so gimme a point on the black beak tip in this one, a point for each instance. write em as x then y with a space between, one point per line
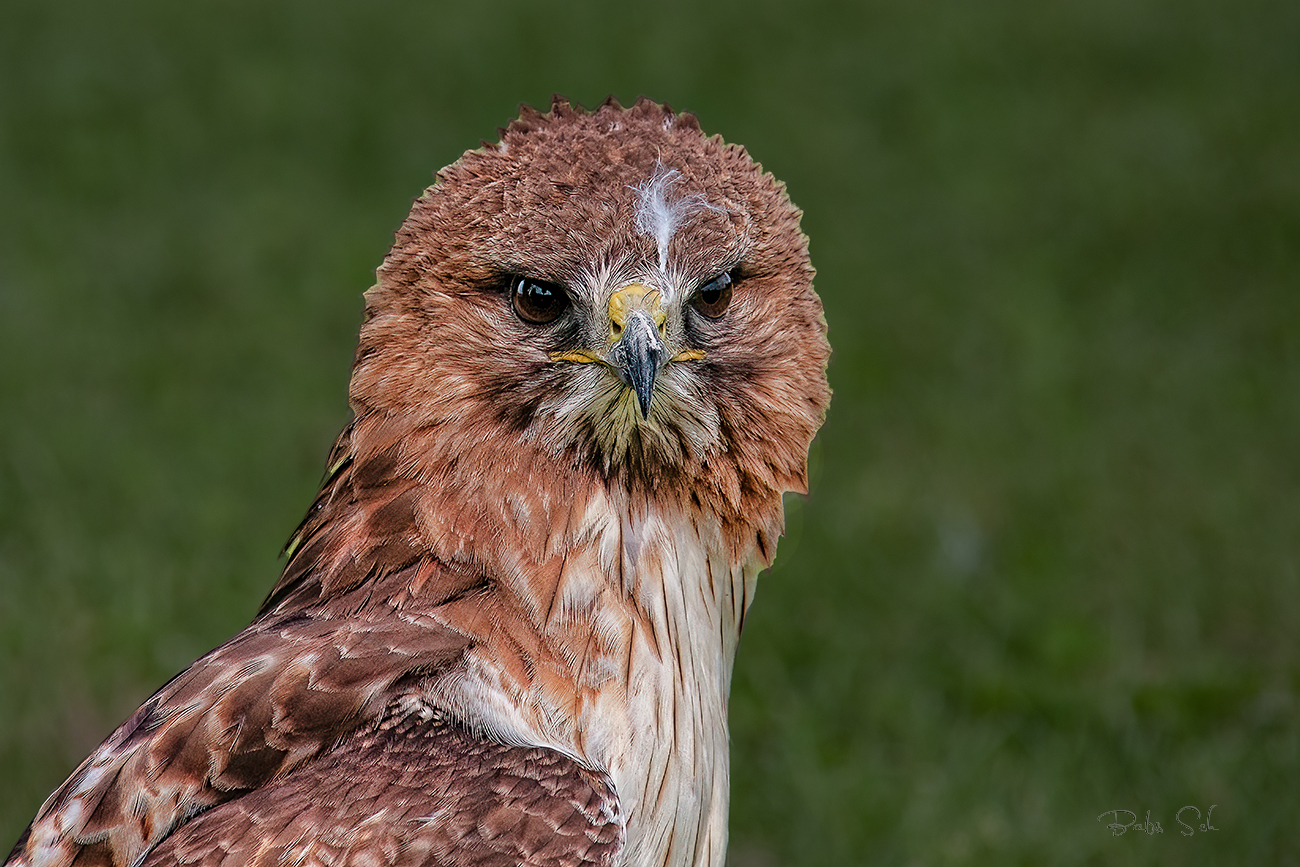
644 394
638 357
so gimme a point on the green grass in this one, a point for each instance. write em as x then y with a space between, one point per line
1050 564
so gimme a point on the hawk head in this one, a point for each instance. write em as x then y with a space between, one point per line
607 298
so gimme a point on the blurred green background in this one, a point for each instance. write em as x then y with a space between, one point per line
1050 565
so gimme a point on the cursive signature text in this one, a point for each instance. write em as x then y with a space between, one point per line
1119 826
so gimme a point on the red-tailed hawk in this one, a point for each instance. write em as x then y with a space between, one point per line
591 365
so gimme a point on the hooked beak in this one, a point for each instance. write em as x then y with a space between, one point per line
636 327
636 335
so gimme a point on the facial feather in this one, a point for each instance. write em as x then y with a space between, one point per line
566 201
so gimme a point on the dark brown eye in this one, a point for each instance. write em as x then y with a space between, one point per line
536 301
714 296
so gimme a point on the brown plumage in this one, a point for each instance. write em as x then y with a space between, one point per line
592 364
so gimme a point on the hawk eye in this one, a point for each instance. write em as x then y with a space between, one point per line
537 301
714 296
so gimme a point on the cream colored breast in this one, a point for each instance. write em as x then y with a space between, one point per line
671 767
643 625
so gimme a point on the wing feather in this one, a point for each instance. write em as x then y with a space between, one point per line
275 696
413 790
